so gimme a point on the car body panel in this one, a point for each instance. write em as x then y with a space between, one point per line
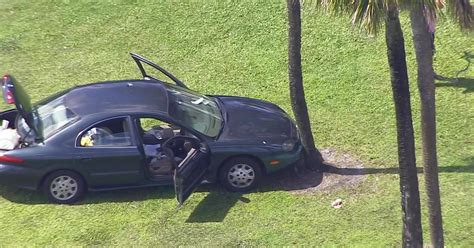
111 166
254 120
126 96
39 161
263 153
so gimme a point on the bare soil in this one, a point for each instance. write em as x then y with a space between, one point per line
345 171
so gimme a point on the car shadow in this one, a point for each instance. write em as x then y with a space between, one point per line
23 196
216 205
218 202
217 197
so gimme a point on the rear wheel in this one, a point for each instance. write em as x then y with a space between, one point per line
64 187
240 174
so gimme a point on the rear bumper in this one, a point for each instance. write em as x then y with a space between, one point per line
17 176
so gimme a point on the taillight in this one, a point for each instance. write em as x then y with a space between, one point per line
9 97
10 159
7 94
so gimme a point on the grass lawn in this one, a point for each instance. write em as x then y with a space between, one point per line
240 48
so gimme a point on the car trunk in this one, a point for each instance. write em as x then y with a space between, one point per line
13 93
9 138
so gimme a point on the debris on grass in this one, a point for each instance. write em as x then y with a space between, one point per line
337 203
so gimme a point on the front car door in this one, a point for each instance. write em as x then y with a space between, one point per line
190 172
148 74
108 152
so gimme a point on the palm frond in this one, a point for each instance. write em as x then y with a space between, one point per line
461 10
369 14
331 6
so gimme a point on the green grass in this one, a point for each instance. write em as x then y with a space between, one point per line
239 48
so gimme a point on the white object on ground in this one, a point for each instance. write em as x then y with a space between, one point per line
5 124
337 203
9 139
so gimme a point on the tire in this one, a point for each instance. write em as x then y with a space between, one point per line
64 187
240 174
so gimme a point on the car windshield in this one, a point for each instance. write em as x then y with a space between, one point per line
196 111
49 117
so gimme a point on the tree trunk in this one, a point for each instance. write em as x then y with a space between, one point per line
412 233
314 159
424 58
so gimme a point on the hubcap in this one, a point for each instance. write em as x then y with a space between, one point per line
63 188
241 175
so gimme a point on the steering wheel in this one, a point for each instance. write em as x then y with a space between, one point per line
179 140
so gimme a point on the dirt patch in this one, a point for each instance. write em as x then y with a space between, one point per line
345 171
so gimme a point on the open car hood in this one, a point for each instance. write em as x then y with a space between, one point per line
13 93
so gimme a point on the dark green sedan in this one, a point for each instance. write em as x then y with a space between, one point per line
140 133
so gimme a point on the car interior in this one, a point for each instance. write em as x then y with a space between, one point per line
166 146
109 133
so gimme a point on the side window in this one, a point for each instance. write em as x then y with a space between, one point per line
109 133
149 123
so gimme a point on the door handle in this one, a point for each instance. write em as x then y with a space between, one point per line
85 159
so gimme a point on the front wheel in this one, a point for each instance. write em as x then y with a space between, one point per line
240 174
64 187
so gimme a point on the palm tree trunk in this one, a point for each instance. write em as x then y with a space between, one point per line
314 159
426 87
412 233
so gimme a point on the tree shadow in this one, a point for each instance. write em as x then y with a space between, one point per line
468 56
466 83
469 168
396 170
459 82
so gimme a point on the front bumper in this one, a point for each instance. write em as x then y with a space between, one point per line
284 159
18 176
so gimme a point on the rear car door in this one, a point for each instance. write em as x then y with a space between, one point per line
190 172
108 152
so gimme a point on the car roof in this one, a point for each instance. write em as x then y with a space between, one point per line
125 96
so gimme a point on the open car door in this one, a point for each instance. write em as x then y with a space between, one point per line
141 60
190 172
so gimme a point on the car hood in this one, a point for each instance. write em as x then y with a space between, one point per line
255 120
